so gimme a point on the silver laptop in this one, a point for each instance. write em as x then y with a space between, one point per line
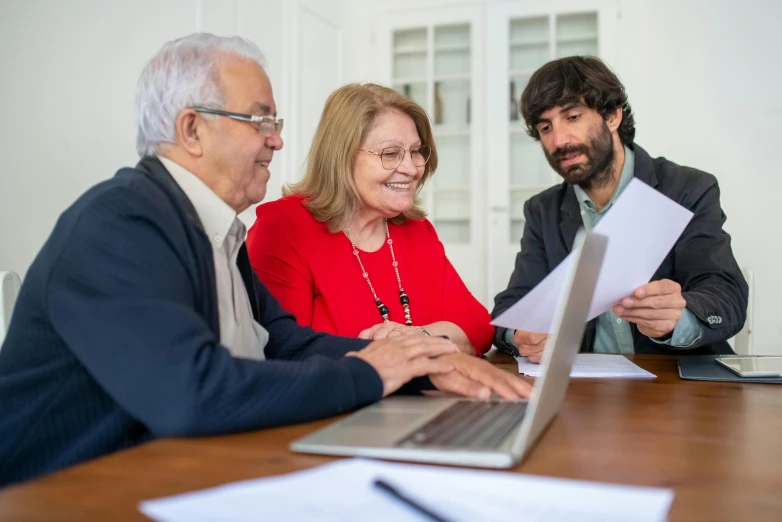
458 431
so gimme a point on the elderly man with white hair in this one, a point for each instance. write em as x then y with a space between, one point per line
141 316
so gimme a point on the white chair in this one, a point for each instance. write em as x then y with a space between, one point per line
9 290
743 340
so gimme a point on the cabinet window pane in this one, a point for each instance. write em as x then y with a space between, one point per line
528 165
572 26
529 30
577 35
452 102
457 231
452 205
452 37
410 39
415 91
410 65
453 170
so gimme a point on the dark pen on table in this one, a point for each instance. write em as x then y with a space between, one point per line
383 485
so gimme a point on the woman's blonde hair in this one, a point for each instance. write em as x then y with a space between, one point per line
350 113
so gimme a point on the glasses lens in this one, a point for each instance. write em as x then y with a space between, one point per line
421 155
269 126
391 157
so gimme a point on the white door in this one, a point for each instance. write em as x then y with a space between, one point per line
315 50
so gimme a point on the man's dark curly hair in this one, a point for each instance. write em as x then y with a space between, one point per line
576 79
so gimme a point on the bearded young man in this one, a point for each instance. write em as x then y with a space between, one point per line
578 110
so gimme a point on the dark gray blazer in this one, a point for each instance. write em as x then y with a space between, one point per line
701 261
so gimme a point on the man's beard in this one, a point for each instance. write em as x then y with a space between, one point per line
597 171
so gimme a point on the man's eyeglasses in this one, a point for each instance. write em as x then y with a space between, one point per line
265 125
391 157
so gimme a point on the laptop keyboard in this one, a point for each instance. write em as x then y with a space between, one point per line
468 424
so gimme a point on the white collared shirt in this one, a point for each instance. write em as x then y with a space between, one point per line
239 332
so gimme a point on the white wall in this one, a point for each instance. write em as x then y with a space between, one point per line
315 72
67 95
703 78
69 73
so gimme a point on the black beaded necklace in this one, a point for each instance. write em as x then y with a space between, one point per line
383 309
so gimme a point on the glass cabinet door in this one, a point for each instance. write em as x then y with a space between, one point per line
431 66
529 45
411 63
467 67
533 41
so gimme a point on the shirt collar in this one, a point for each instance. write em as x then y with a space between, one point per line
624 179
216 215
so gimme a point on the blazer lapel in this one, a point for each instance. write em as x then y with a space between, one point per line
155 168
569 222
249 278
570 217
160 175
644 166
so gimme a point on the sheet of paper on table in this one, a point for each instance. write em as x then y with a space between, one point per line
343 491
594 365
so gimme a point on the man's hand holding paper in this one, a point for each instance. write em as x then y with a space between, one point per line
655 308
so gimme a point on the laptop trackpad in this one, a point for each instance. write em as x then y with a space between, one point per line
389 419
384 423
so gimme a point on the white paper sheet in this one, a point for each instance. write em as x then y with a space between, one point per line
343 491
594 365
642 227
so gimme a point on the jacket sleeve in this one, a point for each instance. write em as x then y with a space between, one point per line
711 281
123 300
288 340
530 269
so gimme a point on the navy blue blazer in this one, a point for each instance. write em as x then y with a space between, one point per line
114 339
701 261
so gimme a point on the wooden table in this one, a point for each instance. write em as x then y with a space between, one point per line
718 445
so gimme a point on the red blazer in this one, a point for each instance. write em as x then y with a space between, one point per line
316 277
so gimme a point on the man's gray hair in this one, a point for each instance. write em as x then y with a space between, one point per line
184 73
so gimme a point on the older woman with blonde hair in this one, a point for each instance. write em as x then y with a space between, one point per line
349 250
